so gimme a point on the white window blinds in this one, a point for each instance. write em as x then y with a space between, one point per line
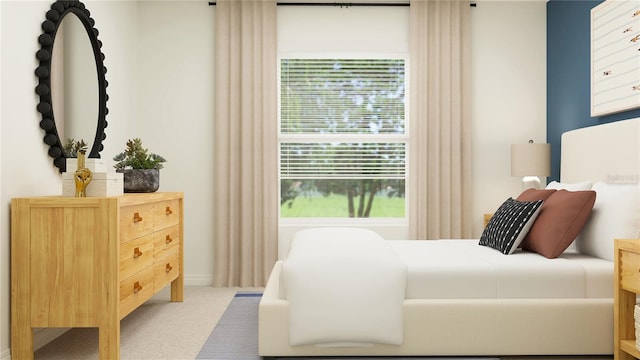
342 119
342 160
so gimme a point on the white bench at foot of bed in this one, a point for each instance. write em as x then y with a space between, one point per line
463 327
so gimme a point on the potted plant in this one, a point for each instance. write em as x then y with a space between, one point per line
71 150
140 168
71 147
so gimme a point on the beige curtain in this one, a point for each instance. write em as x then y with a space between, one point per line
245 169
440 149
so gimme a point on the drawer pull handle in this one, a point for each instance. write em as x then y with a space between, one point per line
137 217
168 239
137 253
168 268
137 287
168 211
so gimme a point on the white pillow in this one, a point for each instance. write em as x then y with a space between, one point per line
615 215
584 185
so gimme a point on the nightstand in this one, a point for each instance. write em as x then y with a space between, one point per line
487 217
626 286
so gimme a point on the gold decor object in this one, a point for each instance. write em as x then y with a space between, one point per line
82 176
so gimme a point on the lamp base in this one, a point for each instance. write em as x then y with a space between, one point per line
531 182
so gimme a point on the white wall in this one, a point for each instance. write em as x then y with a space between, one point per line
509 95
159 57
25 168
175 96
318 30
117 23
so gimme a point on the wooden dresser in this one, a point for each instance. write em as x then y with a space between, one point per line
89 262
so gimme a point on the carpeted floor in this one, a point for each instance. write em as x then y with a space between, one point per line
235 337
158 330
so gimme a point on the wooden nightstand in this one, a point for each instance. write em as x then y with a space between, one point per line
487 217
626 286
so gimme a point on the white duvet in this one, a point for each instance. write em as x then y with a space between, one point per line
345 286
462 269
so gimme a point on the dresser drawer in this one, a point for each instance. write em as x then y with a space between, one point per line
136 255
135 290
166 213
165 239
167 268
136 221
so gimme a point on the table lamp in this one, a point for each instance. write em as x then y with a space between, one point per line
531 161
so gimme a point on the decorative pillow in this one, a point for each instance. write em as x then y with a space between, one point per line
533 195
584 185
562 217
615 215
510 224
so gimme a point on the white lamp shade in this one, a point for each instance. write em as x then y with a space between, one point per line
530 159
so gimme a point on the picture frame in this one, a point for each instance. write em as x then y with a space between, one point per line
615 57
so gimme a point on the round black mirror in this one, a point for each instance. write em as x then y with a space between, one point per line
50 27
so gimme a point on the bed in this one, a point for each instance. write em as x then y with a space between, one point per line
478 301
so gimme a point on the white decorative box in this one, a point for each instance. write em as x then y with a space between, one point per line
102 184
95 165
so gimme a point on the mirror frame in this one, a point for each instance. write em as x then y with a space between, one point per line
54 17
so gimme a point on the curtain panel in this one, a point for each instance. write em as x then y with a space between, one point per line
245 136
440 149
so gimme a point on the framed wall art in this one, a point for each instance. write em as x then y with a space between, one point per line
615 57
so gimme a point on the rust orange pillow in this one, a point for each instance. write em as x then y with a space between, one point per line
562 217
533 195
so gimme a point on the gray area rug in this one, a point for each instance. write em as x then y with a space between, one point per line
235 337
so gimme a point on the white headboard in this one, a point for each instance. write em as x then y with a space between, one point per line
608 152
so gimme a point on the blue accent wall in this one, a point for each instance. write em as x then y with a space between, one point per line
568 74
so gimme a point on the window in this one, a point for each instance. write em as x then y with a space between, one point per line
343 138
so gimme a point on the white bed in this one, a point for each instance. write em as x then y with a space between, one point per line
481 302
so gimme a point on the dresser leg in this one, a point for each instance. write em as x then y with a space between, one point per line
22 342
177 289
109 342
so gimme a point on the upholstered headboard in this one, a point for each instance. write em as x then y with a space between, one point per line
608 152
607 155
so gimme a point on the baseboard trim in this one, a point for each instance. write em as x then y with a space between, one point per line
41 337
198 280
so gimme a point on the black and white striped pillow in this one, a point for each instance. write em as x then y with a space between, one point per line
510 224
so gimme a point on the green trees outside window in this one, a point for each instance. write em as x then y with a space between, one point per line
343 138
